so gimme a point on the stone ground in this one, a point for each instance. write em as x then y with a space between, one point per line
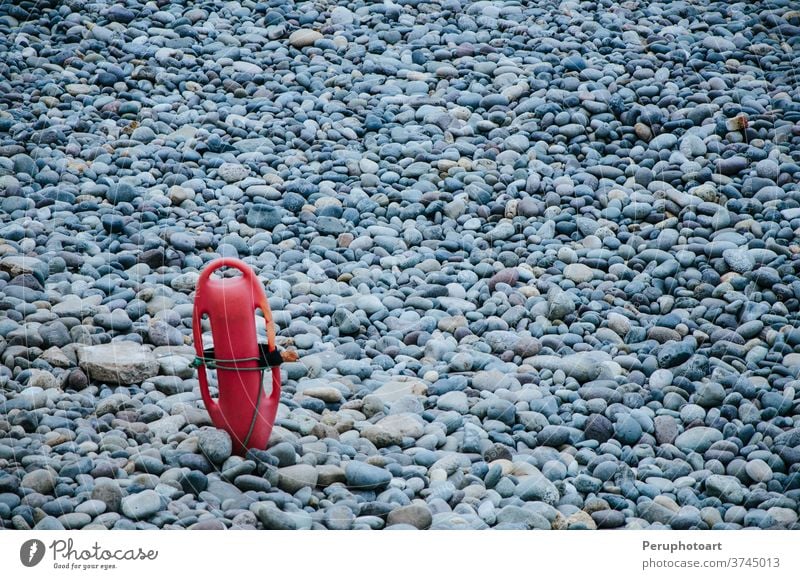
538 260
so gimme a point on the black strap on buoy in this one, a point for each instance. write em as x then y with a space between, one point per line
267 358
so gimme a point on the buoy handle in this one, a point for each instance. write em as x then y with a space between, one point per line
211 405
258 289
226 262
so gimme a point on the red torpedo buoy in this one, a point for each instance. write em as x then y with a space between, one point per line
244 408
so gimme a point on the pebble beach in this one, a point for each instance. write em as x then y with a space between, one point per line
538 262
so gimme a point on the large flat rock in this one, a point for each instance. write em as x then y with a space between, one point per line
396 389
118 362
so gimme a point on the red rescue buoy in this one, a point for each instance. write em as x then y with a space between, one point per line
244 409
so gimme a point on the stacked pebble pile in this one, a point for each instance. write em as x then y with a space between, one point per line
539 261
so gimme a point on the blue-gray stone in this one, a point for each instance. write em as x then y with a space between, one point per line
363 476
121 192
628 430
262 216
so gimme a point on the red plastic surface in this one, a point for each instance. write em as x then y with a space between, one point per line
230 304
